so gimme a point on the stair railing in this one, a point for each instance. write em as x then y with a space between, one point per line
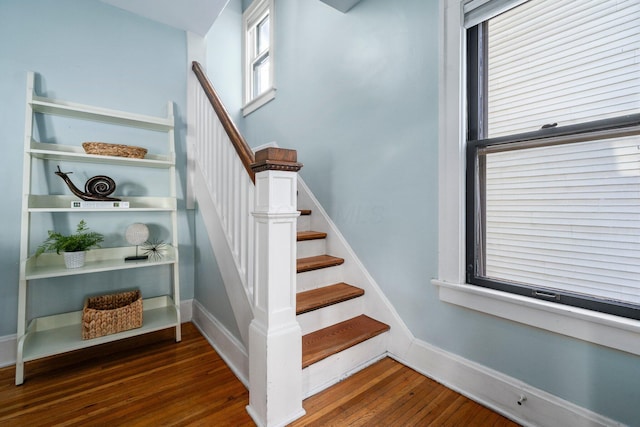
224 159
255 197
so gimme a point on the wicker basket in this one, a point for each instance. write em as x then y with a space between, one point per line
119 150
109 314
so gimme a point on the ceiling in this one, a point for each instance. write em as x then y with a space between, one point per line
196 16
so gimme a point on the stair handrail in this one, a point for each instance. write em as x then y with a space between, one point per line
239 143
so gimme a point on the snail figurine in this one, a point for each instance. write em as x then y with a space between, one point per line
97 188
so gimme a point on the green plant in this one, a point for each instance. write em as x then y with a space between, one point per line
82 240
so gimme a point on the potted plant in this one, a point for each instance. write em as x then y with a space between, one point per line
73 246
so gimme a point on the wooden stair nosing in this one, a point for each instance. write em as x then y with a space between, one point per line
323 297
328 341
304 211
310 235
317 262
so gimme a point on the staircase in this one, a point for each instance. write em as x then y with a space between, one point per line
248 204
337 337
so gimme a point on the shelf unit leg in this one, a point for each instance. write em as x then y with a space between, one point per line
20 361
19 373
178 333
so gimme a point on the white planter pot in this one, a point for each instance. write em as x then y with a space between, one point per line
74 259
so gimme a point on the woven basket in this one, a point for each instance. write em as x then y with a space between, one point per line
119 150
109 314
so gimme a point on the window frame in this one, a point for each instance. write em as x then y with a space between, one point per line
592 326
251 19
477 128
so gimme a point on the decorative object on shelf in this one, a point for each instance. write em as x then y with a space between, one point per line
110 314
154 249
74 259
96 188
91 204
118 150
79 242
136 234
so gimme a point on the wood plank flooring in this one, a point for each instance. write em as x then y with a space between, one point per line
151 381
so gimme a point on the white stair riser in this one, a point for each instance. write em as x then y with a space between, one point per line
318 278
327 316
333 369
304 223
309 248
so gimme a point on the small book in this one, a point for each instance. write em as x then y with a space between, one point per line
86 204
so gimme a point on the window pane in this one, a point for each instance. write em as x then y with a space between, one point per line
562 61
262 35
261 75
566 217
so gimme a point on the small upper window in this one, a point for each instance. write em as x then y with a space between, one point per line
258 55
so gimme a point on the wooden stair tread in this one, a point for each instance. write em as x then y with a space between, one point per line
310 235
305 211
317 262
325 296
325 342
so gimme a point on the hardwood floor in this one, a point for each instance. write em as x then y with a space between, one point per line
151 380
390 394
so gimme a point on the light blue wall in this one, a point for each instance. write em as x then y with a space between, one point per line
224 59
88 52
223 64
209 288
357 97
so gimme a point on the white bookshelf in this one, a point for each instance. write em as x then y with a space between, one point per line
49 335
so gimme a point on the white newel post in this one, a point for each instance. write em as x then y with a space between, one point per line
275 338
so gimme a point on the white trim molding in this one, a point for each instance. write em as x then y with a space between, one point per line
506 395
259 101
587 325
250 20
196 51
228 347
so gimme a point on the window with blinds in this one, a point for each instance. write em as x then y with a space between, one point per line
565 62
553 168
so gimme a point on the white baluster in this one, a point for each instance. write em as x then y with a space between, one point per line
229 185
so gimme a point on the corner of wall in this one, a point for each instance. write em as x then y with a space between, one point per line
225 344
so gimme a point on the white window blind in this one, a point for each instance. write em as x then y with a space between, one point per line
565 62
567 217
564 217
477 11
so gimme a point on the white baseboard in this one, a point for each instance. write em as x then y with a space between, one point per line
228 347
7 350
497 391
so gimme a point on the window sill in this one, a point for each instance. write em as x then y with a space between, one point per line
599 328
258 102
